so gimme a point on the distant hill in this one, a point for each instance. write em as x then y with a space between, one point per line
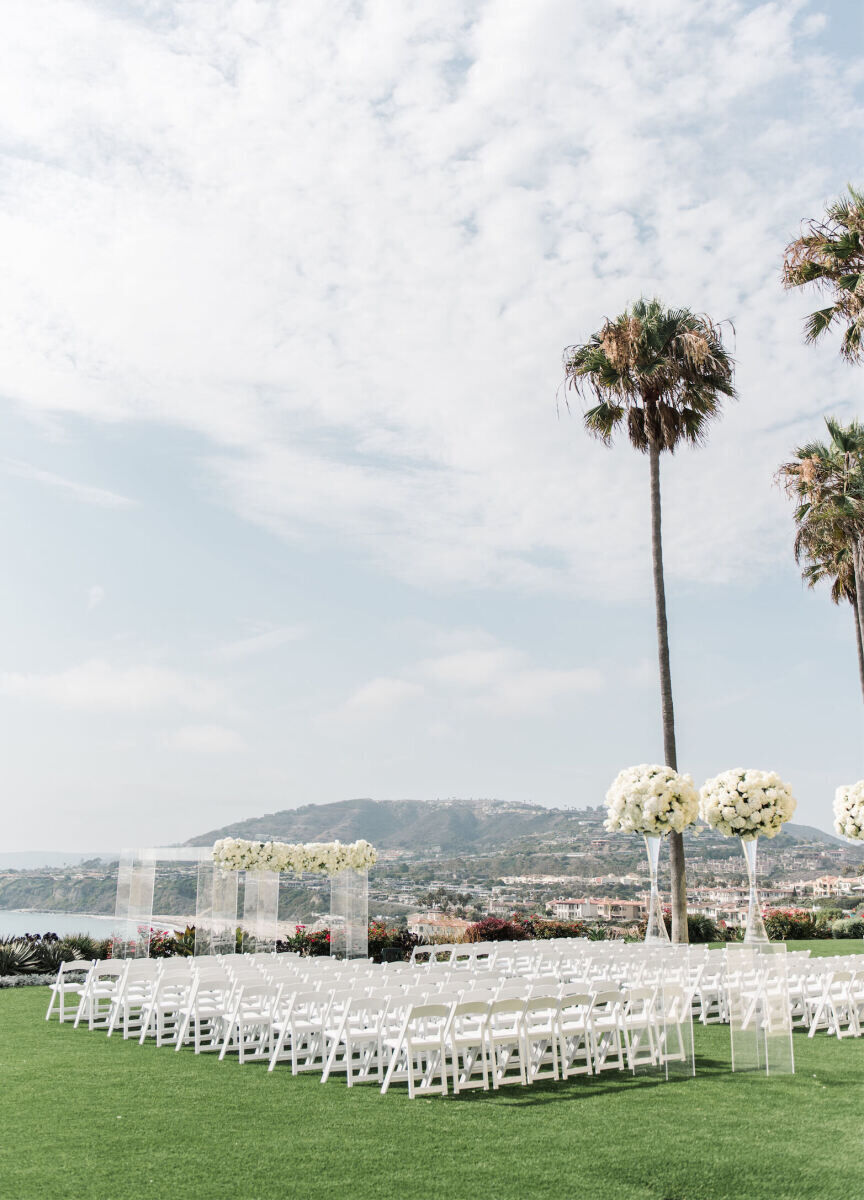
451 826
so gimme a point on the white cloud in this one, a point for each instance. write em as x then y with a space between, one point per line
84 492
502 680
382 695
207 739
98 686
95 596
348 253
259 643
488 679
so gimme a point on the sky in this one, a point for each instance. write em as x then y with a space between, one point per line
294 508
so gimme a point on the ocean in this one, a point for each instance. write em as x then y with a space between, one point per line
13 922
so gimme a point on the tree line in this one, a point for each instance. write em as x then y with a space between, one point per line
659 376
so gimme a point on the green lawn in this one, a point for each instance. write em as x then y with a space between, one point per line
89 1119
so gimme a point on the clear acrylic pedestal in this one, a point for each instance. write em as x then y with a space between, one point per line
349 914
760 1017
655 928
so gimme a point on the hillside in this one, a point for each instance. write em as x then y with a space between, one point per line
446 826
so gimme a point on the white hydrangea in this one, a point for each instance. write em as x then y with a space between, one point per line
652 800
746 803
849 811
324 858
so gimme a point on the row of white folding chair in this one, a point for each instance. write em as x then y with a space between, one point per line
835 1003
522 1041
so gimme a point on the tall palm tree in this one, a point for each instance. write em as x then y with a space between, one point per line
661 374
827 481
830 559
829 255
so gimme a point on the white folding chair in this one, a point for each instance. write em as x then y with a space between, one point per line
467 1044
102 983
353 1044
419 1052
606 1031
639 1026
575 1043
507 1049
64 985
248 1028
540 1037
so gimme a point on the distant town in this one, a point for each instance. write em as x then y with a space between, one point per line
493 859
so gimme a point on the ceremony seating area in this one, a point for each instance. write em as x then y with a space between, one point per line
460 1017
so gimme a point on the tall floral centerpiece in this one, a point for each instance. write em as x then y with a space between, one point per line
748 805
849 811
652 800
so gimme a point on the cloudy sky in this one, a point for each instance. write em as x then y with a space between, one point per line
291 512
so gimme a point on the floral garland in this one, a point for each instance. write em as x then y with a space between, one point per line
849 811
323 858
746 804
651 800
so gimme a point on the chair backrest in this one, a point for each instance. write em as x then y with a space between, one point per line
77 964
426 1017
543 1002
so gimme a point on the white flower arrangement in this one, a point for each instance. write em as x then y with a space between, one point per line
849 811
746 804
652 800
323 858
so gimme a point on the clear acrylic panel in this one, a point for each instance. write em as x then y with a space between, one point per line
760 1015
677 1052
215 910
349 914
657 1017
260 912
133 909
119 945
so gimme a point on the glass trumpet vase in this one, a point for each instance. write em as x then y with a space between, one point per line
755 930
655 930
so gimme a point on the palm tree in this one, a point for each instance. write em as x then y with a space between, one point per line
827 481
661 374
831 559
829 254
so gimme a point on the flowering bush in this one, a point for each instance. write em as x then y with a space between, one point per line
652 800
389 943
324 858
519 929
746 804
849 811
784 924
310 943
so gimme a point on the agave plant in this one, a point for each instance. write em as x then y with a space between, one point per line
49 955
17 956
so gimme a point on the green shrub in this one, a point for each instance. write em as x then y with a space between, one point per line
850 927
17 956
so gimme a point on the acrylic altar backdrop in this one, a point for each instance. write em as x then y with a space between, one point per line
217 917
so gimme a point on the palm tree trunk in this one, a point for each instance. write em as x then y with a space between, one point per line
858 644
858 569
677 869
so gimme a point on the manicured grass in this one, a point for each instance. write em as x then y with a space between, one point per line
85 1118
819 947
